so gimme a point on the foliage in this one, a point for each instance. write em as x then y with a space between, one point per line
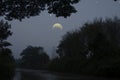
92 49
71 43
34 58
6 58
102 39
20 9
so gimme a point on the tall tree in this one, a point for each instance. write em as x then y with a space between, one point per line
34 57
103 43
94 48
6 58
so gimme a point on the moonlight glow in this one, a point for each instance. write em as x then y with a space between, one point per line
58 25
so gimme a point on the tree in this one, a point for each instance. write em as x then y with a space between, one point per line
102 39
102 36
4 34
72 52
92 49
34 57
6 58
71 45
20 9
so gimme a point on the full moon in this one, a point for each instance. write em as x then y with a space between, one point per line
58 25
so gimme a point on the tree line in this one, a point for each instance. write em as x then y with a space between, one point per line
93 49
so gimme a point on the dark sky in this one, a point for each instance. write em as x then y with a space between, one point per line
38 31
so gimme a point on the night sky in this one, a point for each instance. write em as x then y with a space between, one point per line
38 31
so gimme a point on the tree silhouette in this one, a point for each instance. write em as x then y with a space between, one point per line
20 9
71 45
4 34
6 58
92 49
34 57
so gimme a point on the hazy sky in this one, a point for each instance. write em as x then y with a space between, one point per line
38 31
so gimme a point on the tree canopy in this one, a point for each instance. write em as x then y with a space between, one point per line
20 9
34 57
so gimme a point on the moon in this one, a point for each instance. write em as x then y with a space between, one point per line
58 25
